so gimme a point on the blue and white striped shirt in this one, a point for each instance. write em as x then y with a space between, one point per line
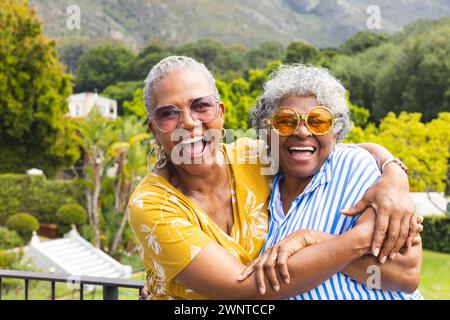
341 182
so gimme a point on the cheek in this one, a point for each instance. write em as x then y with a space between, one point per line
327 144
166 142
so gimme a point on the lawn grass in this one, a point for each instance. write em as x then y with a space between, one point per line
435 278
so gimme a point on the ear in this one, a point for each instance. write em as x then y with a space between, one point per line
222 110
151 127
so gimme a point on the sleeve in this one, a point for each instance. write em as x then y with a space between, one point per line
362 174
168 239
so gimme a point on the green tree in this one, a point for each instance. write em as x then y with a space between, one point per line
129 154
362 41
33 95
299 52
121 92
96 135
136 106
265 53
423 147
103 66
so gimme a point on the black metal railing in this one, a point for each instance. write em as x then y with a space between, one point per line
110 286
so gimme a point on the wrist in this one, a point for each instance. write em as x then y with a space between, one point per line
396 177
360 239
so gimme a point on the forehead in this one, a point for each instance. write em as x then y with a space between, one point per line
301 104
181 87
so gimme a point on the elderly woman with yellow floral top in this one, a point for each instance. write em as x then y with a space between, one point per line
200 217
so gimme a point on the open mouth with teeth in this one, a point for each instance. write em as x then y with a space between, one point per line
194 147
302 153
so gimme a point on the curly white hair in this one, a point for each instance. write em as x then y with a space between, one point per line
301 80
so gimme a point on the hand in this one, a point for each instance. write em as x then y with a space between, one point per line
394 210
275 258
145 294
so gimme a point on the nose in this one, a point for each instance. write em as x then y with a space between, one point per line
187 122
302 131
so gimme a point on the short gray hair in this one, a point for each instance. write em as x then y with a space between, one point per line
301 80
168 65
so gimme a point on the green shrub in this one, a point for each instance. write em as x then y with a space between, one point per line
7 259
24 224
9 239
69 214
436 233
36 195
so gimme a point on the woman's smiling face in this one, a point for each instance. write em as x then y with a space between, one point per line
180 88
303 154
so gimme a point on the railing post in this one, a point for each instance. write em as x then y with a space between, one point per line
0 288
26 289
110 293
53 290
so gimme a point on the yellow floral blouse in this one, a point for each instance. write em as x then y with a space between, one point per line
172 230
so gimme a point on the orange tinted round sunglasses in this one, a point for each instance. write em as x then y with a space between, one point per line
285 120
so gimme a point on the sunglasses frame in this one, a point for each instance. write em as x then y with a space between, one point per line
300 118
217 102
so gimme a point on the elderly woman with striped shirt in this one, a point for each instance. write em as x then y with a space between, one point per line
199 223
306 107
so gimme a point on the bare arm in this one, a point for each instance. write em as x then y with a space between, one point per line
401 274
214 272
392 202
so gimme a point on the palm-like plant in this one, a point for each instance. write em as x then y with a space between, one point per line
95 136
129 153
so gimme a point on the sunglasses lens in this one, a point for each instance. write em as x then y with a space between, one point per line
167 117
320 121
285 121
204 109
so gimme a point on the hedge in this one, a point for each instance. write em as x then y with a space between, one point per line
69 214
9 239
36 195
436 233
24 224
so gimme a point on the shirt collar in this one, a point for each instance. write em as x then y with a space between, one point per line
322 177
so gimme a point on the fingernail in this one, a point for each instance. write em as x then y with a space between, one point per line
392 255
286 280
262 291
376 252
276 288
240 278
383 260
409 245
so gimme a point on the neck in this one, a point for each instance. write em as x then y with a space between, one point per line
205 182
292 186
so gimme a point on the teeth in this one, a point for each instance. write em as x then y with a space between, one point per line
302 149
192 140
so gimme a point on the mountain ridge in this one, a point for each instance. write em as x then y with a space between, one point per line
324 23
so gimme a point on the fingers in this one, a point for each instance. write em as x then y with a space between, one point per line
379 234
259 273
144 293
417 240
269 268
248 271
358 207
402 237
390 239
283 256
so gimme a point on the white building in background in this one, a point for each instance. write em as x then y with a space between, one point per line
74 255
81 104
430 203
